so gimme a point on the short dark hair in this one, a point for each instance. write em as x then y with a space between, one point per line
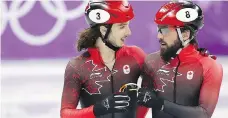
192 34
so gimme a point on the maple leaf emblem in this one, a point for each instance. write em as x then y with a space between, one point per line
97 77
165 74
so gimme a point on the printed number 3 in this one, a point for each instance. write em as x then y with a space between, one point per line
187 14
98 16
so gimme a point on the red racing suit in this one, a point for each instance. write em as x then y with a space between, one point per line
189 84
88 79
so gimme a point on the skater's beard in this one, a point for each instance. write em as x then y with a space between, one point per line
170 51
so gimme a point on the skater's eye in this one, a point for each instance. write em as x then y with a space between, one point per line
122 27
163 30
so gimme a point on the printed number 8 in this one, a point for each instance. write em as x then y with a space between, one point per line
98 16
187 14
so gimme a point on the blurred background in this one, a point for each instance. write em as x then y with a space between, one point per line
38 38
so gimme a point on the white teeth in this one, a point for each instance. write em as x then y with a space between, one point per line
162 43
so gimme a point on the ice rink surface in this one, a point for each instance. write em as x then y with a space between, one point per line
32 89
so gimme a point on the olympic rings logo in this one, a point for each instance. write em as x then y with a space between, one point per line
58 10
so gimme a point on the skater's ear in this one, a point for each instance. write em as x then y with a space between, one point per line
186 35
103 30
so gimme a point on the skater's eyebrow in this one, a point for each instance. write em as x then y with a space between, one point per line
122 24
162 26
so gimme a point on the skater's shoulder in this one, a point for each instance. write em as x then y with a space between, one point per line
133 49
80 58
154 55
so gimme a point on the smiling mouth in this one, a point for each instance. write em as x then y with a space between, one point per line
162 43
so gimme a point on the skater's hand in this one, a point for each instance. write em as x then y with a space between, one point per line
148 98
118 102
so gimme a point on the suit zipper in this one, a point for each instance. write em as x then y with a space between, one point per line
175 84
112 80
